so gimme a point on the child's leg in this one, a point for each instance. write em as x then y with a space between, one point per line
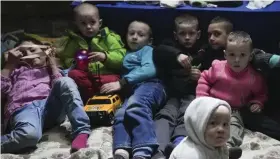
236 130
180 130
84 83
259 122
26 128
121 138
165 122
139 117
65 99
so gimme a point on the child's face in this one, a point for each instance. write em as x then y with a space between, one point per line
35 62
88 23
238 55
187 34
138 35
217 129
217 35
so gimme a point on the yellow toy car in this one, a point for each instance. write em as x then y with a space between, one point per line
103 107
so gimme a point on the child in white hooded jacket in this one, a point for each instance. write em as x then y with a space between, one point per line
207 121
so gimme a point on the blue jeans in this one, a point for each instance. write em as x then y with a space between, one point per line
134 126
27 123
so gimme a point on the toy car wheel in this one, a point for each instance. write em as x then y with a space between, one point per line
111 118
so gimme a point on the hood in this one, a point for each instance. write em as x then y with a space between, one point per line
197 116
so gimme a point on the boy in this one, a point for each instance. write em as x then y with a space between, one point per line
106 51
37 95
218 31
235 81
207 123
174 65
134 126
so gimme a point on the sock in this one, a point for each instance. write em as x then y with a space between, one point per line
177 140
79 142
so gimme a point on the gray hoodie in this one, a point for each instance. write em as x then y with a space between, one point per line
196 118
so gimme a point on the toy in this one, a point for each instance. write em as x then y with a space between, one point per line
103 107
81 58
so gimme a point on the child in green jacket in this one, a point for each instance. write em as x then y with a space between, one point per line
105 51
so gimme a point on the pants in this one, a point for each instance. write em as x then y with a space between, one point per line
27 123
89 83
254 122
134 125
169 121
236 129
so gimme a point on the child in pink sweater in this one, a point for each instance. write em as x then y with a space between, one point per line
235 81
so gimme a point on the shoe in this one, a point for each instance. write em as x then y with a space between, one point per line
235 152
121 154
159 155
168 150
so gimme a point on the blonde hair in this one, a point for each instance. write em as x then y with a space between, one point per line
187 19
240 37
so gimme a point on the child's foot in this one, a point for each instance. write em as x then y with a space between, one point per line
234 152
79 142
121 154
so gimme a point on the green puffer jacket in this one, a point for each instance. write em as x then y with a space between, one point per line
105 41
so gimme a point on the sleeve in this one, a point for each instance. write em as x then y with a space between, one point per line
6 85
145 71
164 54
115 53
259 91
274 61
66 52
205 81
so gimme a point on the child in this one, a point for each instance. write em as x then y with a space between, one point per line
37 95
105 47
174 63
236 82
134 127
269 65
207 122
218 31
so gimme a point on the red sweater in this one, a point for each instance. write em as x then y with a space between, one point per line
237 88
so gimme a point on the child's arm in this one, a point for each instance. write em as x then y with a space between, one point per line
165 56
264 60
259 92
205 81
115 53
146 71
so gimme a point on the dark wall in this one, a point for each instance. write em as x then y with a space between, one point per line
53 17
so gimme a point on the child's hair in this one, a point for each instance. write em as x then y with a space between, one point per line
84 6
240 37
144 22
186 18
35 41
227 22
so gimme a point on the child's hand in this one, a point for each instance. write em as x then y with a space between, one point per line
110 87
184 61
51 58
255 108
195 74
97 56
14 56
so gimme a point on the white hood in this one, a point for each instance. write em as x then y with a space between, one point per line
196 118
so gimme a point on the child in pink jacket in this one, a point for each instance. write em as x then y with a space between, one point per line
235 81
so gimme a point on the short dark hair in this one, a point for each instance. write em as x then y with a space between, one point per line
84 6
186 18
227 22
240 37
144 22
